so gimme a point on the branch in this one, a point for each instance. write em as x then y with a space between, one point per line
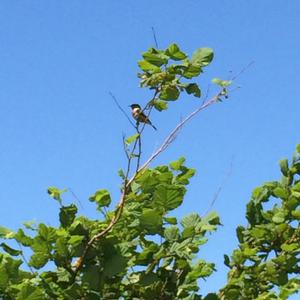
121 109
217 193
154 36
172 136
234 77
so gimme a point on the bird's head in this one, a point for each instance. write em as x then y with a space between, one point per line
134 106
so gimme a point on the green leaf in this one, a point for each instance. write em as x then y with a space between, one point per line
292 287
6 233
188 232
200 269
226 260
121 174
151 220
146 66
131 139
30 292
38 259
212 218
63 275
62 249
248 252
222 83
183 178
169 93
171 233
296 187
76 240
91 277
9 250
47 233
202 56
148 279
192 220
176 164
240 233
114 264
168 196
160 104
101 198
284 167
211 296
174 52
67 215
170 220
146 256
193 88
296 214
22 238
281 192
4 277
279 217
155 58
192 71
290 247
56 193
31 225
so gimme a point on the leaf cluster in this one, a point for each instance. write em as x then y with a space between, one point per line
266 264
164 71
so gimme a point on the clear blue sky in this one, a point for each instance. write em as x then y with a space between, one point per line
59 59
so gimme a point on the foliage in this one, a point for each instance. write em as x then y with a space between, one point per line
148 254
266 263
163 70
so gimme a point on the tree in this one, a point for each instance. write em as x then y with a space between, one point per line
139 250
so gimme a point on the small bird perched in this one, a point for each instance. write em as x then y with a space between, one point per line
139 116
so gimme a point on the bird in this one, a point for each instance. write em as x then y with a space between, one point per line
139 116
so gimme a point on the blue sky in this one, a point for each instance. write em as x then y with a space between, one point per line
59 126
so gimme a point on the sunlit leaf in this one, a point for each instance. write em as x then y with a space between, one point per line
222 83
131 139
160 105
169 93
101 198
176 165
10 250
6 233
203 56
175 53
146 66
56 193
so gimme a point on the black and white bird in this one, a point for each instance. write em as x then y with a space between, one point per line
139 116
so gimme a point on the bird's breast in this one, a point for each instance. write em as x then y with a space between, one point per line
136 112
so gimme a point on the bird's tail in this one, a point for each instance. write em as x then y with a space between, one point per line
153 126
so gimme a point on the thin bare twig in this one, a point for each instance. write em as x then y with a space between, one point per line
206 94
25 259
125 146
121 108
75 196
171 137
218 192
140 151
140 133
242 70
154 36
